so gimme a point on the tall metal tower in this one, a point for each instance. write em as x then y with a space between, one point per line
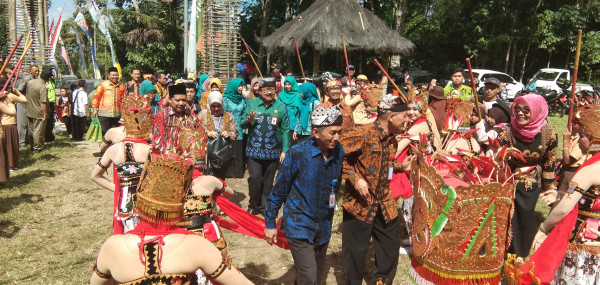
25 16
221 36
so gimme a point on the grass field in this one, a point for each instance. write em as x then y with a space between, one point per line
53 220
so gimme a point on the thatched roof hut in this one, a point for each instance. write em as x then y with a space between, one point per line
320 27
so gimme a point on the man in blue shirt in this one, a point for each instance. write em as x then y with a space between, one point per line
307 182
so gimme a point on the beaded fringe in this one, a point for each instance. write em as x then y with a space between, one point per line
421 275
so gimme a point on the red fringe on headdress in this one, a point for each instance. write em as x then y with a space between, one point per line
429 275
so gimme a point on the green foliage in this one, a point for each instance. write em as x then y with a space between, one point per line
4 48
151 57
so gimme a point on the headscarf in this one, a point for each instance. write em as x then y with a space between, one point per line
200 87
539 111
232 90
251 95
309 91
146 87
292 97
437 105
213 97
216 81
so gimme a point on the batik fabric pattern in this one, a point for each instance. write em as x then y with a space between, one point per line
304 184
368 151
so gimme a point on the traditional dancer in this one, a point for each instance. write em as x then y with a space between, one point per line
157 251
127 158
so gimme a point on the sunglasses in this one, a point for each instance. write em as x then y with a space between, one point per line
522 110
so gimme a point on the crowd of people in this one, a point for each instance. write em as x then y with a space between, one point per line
172 145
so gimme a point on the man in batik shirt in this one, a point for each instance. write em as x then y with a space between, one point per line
336 98
133 87
307 182
369 207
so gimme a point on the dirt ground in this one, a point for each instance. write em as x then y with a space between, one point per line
53 221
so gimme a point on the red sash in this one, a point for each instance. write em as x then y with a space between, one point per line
551 252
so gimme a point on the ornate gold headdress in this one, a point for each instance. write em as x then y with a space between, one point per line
589 119
137 116
163 187
459 233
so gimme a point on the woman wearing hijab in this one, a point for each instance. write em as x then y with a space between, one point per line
199 87
253 92
290 96
530 133
310 100
235 103
218 121
213 85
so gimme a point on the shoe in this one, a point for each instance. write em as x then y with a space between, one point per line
11 169
406 250
253 211
405 243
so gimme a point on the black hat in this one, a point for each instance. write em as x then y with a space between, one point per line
177 89
493 80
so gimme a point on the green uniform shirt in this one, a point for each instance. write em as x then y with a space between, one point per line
276 114
463 93
50 85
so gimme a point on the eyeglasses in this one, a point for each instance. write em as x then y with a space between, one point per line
522 110
272 89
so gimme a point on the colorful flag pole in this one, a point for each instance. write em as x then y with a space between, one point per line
82 63
65 55
103 27
80 20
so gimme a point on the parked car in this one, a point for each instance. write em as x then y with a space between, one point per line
553 79
512 86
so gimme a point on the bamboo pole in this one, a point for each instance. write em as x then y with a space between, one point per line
252 57
474 89
17 68
575 68
347 64
11 54
299 59
391 81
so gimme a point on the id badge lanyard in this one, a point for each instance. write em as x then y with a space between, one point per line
332 194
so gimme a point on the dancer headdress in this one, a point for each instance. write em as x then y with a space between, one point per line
419 98
137 116
589 119
164 184
460 219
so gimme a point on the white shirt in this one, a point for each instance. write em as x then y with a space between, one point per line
80 99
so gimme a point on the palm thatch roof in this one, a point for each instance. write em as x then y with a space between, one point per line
322 24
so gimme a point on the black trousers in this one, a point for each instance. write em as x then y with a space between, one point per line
236 168
108 123
309 260
50 122
68 124
78 126
523 222
260 181
356 237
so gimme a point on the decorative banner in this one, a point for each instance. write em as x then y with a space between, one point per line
65 56
80 20
102 26
54 38
50 31
191 56
82 63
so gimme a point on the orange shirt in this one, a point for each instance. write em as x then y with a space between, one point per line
107 99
